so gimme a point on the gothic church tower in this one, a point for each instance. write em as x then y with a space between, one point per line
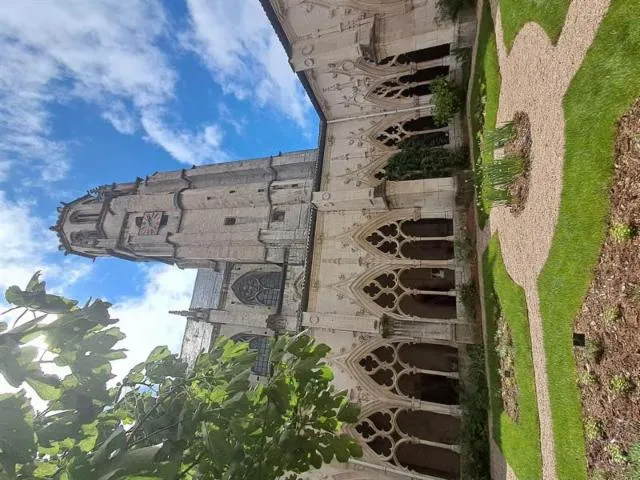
253 211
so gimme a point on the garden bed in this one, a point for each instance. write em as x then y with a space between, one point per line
520 146
506 357
610 319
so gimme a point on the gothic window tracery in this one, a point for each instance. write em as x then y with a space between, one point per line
84 238
422 239
417 56
258 288
393 134
409 85
388 432
259 344
422 371
414 292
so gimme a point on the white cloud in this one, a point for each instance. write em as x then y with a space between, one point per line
121 118
106 53
243 54
146 320
26 242
187 147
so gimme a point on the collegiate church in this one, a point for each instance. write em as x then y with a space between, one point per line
318 240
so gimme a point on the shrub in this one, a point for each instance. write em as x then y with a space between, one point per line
622 232
620 385
611 314
447 100
592 429
468 296
616 454
501 135
414 162
499 175
593 350
474 403
586 379
463 249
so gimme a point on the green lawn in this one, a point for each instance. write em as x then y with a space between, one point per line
604 88
519 442
485 94
549 14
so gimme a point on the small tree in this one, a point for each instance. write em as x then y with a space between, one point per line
414 162
447 100
163 420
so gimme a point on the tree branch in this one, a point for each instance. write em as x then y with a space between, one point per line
159 402
18 319
188 469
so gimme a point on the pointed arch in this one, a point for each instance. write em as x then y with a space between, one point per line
403 235
394 369
258 288
412 440
403 88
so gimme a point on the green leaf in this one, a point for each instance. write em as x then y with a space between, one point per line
355 449
35 285
14 296
114 445
45 469
17 439
47 387
217 445
348 413
341 448
157 354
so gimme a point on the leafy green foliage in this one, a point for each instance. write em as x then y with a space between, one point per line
163 420
447 100
498 176
474 402
415 161
501 135
586 379
592 429
484 99
593 350
469 298
616 453
622 232
463 249
611 314
620 385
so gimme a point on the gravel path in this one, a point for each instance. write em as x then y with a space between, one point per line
535 77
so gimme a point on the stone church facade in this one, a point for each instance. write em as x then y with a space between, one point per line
318 240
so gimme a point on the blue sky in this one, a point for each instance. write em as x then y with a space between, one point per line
96 92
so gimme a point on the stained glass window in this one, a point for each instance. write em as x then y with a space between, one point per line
260 344
258 288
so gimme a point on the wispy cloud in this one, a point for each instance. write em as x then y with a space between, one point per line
106 53
26 247
197 148
243 54
146 319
